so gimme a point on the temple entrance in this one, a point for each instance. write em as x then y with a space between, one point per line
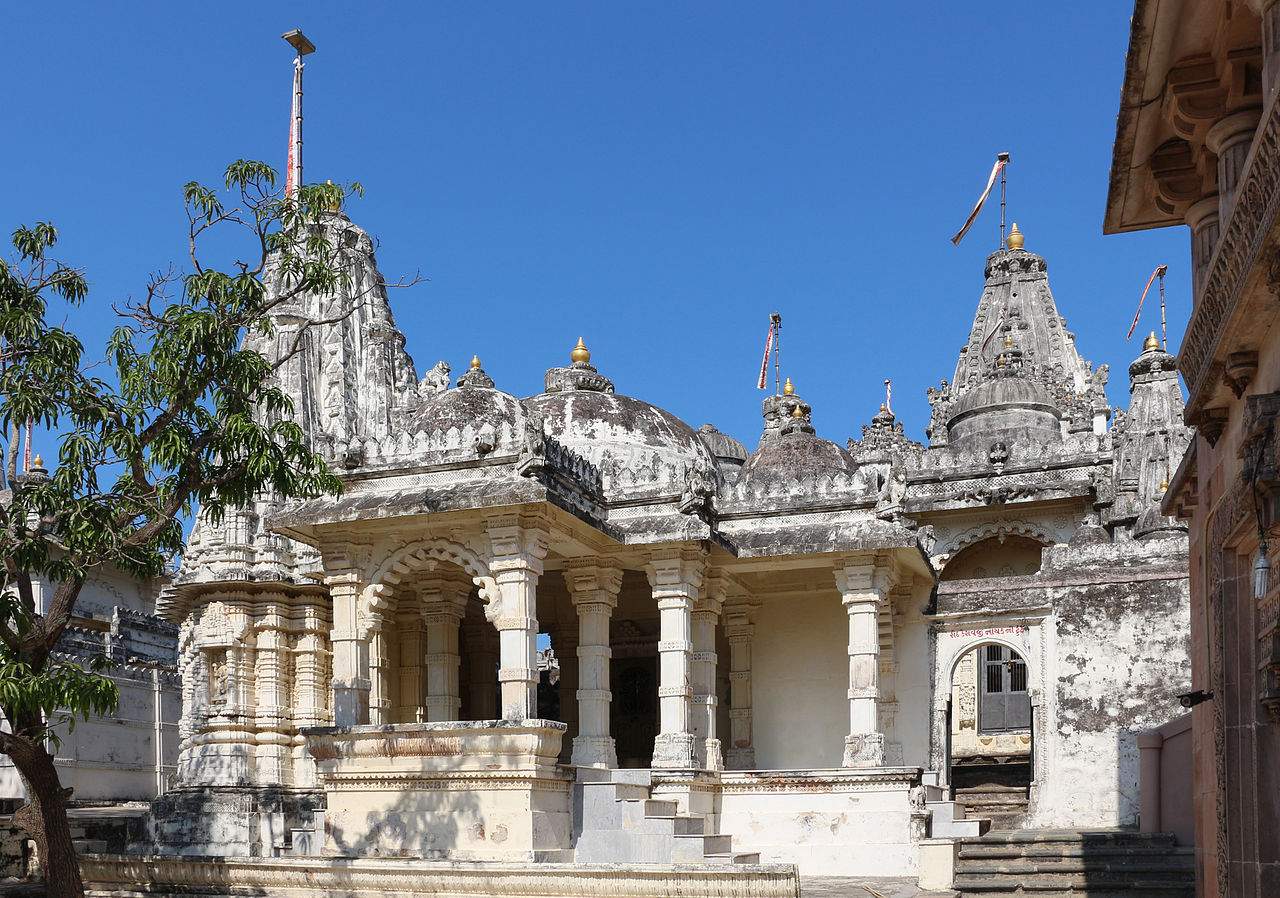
991 742
634 713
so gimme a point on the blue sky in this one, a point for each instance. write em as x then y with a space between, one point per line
655 177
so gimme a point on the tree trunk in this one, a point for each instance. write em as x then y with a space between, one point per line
44 817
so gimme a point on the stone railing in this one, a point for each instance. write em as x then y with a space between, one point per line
1239 249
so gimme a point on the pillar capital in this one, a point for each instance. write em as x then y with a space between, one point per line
1231 129
676 572
593 581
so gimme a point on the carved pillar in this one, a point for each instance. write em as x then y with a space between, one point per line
517 552
863 585
311 669
443 604
1204 222
594 588
675 576
411 640
706 614
271 757
380 650
1230 139
350 651
739 630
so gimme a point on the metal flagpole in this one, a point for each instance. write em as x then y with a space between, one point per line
303 46
1004 157
776 320
1164 330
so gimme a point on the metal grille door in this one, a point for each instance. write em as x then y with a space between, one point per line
1003 702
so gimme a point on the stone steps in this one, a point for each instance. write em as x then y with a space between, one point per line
1084 864
619 822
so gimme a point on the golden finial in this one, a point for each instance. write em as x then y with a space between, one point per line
1152 342
1164 486
797 412
1008 341
1016 240
788 389
475 362
37 462
580 353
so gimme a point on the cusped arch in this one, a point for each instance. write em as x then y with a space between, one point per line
423 555
995 530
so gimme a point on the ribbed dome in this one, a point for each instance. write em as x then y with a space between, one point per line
610 427
1009 407
1153 524
463 406
797 455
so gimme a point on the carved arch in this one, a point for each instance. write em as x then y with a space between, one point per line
419 556
995 530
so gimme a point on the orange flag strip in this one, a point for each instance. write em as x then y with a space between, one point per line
764 363
1160 269
1001 160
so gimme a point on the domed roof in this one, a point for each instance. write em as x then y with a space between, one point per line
473 418
581 411
1002 392
462 406
725 448
794 455
599 424
1154 524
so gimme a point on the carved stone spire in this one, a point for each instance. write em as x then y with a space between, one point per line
1149 438
1017 328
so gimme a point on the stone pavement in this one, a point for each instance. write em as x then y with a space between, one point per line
868 887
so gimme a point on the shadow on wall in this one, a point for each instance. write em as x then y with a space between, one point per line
406 828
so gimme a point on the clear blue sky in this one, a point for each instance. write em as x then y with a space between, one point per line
655 177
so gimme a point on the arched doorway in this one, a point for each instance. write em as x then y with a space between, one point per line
990 737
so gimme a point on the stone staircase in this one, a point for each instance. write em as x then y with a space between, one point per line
616 821
1075 864
1004 806
949 819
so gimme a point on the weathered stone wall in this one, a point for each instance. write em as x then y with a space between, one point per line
1104 699
126 756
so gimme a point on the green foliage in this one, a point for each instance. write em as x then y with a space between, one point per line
177 415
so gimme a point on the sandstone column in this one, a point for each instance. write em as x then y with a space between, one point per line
380 710
350 652
411 640
675 576
1230 139
517 552
273 705
311 669
1202 219
863 585
593 587
706 614
443 604
739 629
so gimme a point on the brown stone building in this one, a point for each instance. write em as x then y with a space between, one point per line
1198 143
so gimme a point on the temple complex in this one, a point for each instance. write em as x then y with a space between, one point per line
807 652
